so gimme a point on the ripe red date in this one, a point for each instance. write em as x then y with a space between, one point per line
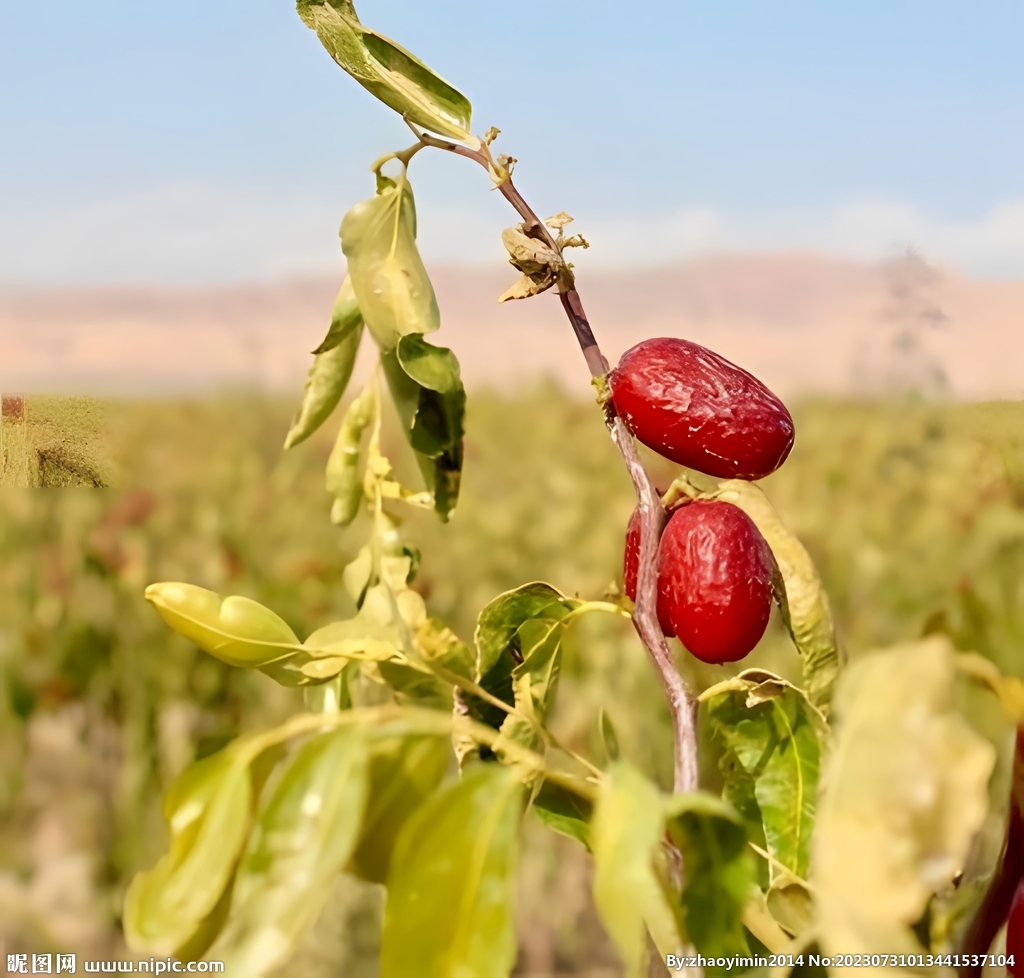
715 580
696 408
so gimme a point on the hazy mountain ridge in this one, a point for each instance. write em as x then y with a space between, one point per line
804 323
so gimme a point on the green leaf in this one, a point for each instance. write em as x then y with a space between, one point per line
739 791
236 630
776 737
398 78
373 635
404 771
626 833
449 908
440 648
565 812
342 476
302 840
438 644
207 810
502 618
432 419
609 738
378 237
717 872
415 687
332 367
346 318
802 597
518 640
433 367
904 793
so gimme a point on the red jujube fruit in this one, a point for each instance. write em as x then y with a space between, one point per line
631 568
715 580
698 409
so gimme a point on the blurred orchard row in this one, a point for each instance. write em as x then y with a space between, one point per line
913 512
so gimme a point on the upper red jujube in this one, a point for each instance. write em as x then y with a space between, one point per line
698 409
715 580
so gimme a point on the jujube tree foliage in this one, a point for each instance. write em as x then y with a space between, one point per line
843 827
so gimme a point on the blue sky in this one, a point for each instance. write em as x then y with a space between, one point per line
207 141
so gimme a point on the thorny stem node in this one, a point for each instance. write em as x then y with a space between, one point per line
682 702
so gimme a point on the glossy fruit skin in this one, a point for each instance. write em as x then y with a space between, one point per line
631 567
715 580
698 409
1015 932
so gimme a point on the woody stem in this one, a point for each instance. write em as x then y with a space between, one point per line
681 700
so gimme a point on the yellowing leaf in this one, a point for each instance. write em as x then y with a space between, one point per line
903 793
1009 689
207 811
300 843
539 264
342 476
394 292
332 368
427 388
345 318
449 908
564 811
237 630
398 78
626 834
802 598
404 771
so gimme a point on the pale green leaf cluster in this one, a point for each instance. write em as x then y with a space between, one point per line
242 632
387 289
246 876
177 902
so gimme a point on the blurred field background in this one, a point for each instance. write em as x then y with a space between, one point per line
913 510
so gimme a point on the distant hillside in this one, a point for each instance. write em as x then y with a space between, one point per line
802 322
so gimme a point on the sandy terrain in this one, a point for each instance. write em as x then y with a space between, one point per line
801 322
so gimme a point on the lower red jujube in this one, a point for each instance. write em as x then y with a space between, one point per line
715 580
631 566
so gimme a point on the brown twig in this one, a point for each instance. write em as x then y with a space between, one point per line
682 702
